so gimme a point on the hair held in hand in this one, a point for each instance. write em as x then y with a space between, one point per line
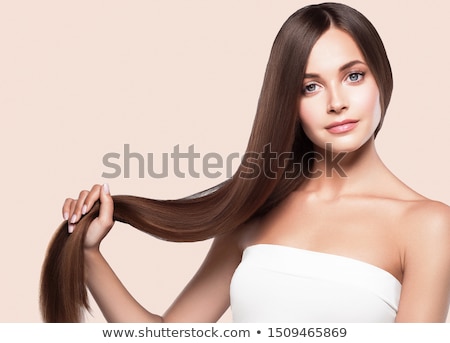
249 193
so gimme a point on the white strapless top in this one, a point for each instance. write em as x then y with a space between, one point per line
275 283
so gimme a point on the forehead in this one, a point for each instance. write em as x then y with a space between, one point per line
332 50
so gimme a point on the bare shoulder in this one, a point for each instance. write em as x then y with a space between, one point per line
427 219
425 240
238 239
424 225
246 233
417 213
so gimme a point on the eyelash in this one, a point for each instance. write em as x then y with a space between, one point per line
360 75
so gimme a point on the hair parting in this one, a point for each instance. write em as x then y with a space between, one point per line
221 209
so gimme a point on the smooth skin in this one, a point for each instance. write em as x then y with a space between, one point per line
368 215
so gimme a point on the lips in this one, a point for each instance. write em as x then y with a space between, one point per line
342 126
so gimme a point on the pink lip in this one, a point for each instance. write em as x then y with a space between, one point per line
342 126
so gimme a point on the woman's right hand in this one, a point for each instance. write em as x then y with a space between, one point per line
74 209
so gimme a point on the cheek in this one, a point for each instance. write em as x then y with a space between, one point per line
307 113
368 103
310 120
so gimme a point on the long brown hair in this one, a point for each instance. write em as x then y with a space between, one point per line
259 183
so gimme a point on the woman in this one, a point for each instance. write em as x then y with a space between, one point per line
312 227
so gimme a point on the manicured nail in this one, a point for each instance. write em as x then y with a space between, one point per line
84 209
66 215
74 219
105 188
70 228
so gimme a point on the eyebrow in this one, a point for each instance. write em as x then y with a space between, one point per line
342 68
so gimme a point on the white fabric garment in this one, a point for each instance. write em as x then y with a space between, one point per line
275 283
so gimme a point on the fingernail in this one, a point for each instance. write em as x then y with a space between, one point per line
105 188
66 215
70 228
74 219
84 209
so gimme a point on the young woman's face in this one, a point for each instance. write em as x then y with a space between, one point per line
340 100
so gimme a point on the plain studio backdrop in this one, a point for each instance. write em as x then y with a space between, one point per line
81 79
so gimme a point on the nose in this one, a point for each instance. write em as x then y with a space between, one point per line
336 101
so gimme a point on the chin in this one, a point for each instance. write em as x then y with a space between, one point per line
345 144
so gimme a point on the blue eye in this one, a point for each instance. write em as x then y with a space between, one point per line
355 77
312 87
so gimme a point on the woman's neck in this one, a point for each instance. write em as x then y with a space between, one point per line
338 173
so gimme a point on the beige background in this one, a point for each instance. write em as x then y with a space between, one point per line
79 79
